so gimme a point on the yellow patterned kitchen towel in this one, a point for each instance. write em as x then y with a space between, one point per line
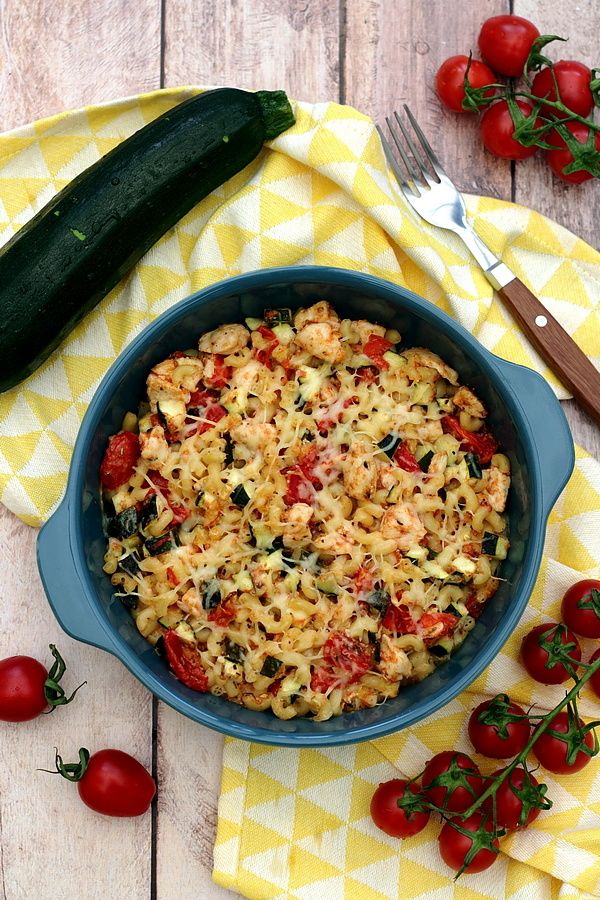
320 193
295 824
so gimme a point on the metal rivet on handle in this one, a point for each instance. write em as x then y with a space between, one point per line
541 321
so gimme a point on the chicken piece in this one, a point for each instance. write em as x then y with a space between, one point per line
496 489
394 663
254 434
427 432
419 356
246 377
360 470
296 530
319 312
224 340
402 524
467 400
341 541
329 391
191 604
322 340
153 445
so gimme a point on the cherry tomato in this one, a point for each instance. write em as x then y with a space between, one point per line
560 156
581 608
348 654
405 459
492 730
573 80
399 620
543 663
450 78
110 782
185 662
594 681
119 461
452 781
517 799
27 689
454 845
375 347
505 43
497 129
481 443
559 748
395 808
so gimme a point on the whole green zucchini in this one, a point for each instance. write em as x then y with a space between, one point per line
75 250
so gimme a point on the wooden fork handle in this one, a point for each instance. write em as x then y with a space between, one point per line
557 348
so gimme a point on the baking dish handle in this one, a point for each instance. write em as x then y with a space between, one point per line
62 583
554 443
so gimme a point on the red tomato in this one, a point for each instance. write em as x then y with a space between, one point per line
221 374
429 626
396 808
368 374
481 443
454 846
119 461
505 43
452 781
544 666
214 414
22 689
560 156
222 614
348 654
299 489
399 620
202 398
323 679
559 749
180 514
268 334
405 459
594 681
573 80
363 580
474 607
116 784
497 130
158 481
375 347
172 577
494 733
518 800
581 608
185 662
450 79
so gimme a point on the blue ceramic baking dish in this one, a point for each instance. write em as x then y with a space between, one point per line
524 415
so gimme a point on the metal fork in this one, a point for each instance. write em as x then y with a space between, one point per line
436 199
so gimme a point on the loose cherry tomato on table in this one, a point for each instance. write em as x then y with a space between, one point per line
119 460
185 662
594 681
549 651
573 80
499 728
580 608
468 845
452 781
110 782
505 43
27 689
397 808
450 80
519 799
561 156
497 130
567 746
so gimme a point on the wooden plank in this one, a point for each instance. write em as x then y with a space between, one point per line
577 207
392 52
57 56
264 44
52 845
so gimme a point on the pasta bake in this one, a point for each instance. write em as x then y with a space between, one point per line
305 515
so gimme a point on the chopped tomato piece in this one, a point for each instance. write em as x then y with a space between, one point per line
267 334
177 354
405 459
481 443
364 580
474 607
172 577
222 614
368 374
159 481
348 654
185 662
221 375
214 414
119 460
399 620
180 514
323 679
375 347
299 490
429 621
264 355
202 398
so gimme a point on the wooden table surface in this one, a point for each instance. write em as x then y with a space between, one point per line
373 54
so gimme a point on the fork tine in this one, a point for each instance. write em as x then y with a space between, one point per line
437 166
393 164
416 155
405 159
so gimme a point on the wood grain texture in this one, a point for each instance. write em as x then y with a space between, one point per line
58 55
265 44
53 847
577 207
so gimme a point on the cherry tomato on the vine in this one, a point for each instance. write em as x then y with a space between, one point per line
560 156
450 80
497 130
495 732
505 43
580 608
559 749
27 689
110 782
573 80
395 808
452 781
519 799
456 846
546 650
